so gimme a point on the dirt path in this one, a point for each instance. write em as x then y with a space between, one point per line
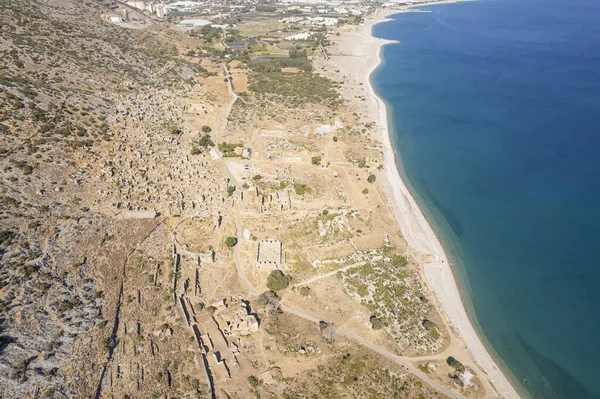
322 276
403 361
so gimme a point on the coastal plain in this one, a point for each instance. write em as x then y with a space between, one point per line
183 219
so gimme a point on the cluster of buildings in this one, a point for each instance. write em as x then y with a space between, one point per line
310 21
236 318
308 14
393 3
343 10
160 10
299 36
330 8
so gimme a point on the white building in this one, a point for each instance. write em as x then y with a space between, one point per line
186 6
269 254
116 19
310 21
292 20
299 36
194 23
140 5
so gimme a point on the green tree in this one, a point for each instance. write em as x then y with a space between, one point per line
231 241
278 281
206 129
371 178
316 160
205 141
230 190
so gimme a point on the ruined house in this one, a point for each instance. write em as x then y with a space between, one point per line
269 254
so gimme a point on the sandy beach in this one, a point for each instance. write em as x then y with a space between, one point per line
365 53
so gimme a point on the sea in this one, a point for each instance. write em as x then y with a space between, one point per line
494 110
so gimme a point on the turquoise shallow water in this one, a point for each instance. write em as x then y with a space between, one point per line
494 106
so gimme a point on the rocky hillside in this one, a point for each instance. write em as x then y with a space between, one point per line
66 75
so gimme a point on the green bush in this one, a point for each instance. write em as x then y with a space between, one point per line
399 260
301 189
432 328
253 381
371 178
227 149
174 129
316 160
297 53
377 323
5 236
206 129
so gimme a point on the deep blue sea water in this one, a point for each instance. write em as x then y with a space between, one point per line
495 110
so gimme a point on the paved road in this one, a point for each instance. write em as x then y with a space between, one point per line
225 112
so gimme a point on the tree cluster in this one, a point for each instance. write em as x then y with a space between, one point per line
275 65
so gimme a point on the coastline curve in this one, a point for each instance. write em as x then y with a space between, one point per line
417 231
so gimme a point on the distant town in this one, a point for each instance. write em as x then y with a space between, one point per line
194 14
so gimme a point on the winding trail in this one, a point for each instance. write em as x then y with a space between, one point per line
322 276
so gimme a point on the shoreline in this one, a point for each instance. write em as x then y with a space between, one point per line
414 227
